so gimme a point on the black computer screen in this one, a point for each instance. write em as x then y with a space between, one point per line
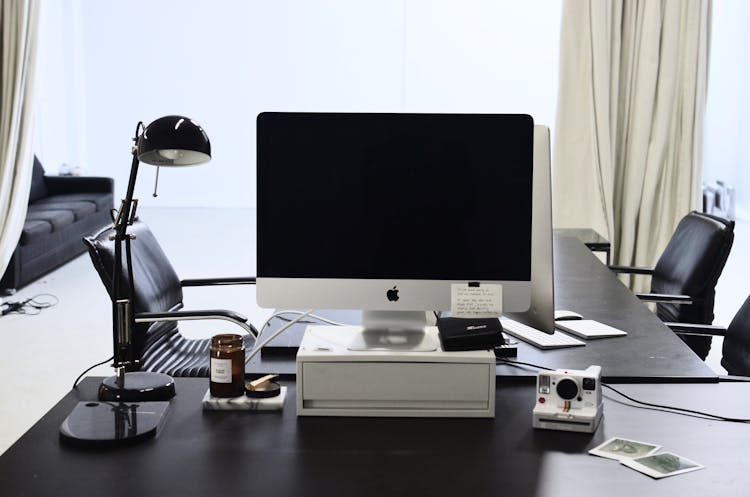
386 196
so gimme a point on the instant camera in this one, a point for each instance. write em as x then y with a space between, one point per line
569 400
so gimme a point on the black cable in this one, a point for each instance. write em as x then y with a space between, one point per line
13 307
24 306
519 363
43 305
658 407
75 383
281 317
669 410
677 410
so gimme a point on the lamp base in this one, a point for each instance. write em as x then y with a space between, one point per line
99 424
140 386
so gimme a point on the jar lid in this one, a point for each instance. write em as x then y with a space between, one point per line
266 390
226 339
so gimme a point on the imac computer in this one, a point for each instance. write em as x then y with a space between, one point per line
384 212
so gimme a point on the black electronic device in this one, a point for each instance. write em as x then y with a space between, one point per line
470 333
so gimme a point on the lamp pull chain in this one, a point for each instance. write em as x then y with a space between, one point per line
156 183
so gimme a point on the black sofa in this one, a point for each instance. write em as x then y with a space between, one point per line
62 210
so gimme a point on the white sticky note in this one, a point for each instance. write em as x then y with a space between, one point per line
483 301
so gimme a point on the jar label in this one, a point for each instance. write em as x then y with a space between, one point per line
221 370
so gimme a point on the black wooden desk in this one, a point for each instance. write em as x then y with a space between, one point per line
591 238
267 454
650 352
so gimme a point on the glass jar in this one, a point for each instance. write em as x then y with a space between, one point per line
227 366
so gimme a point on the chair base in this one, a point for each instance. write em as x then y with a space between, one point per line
140 386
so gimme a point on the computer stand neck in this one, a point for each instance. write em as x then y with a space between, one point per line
395 331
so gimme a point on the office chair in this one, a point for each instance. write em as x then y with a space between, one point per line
158 345
684 279
735 353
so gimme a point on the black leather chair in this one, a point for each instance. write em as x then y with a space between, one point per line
735 352
157 302
684 279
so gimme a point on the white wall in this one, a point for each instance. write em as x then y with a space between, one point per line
223 62
60 130
726 153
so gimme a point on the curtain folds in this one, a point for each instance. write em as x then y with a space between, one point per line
627 150
18 33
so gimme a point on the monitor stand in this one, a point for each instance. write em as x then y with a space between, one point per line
333 380
395 330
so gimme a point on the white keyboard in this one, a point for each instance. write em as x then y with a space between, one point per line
539 338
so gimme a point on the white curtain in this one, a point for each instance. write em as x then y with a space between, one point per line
18 26
627 152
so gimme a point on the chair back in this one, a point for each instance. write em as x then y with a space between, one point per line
156 284
736 349
691 265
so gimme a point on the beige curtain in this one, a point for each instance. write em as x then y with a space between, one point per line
627 152
18 26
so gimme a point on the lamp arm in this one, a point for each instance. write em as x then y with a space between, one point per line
124 215
122 308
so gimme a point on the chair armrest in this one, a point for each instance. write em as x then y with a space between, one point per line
697 329
231 316
665 298
242 280
79 184
631 269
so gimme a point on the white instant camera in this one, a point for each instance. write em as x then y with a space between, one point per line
569 400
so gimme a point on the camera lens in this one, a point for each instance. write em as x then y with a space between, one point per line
567 388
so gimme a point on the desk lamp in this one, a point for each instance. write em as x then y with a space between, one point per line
168 141
132 404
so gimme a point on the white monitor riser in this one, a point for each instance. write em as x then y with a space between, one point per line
333 380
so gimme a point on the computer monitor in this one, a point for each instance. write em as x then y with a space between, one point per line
384 212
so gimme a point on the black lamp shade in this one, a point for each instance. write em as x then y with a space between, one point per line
174 141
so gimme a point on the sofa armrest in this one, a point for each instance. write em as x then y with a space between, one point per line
79 184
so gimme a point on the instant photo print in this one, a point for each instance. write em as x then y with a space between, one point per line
624 448
662 465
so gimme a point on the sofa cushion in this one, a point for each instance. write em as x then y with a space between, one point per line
79 209
38 187
34 231
103 201
58 219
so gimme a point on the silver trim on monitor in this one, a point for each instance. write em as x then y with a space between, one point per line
541 313
372 294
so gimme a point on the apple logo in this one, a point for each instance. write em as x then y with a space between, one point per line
392 294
